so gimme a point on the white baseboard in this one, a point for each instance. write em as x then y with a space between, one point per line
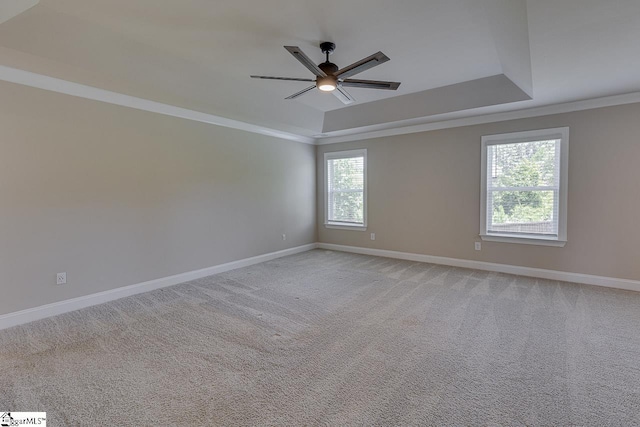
587 279
53 309
48 310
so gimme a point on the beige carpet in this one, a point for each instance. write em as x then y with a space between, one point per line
328 338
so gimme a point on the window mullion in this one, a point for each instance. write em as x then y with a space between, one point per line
544 188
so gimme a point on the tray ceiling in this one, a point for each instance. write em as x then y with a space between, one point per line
451 56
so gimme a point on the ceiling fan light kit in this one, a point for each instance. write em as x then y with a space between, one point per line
330 78
326 84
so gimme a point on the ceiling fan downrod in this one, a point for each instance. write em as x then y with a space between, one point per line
328 67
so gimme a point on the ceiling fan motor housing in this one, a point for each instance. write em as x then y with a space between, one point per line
329 68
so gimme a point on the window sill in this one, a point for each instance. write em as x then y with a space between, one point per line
345 226
523 240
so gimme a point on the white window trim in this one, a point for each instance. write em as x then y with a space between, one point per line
510 138
345 225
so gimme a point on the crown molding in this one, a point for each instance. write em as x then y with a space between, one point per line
443 121
379 131
40 81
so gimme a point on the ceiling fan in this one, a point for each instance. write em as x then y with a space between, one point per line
331 79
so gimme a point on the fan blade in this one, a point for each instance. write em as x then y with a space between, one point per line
304 60
294 79
362 65
302 92
371 84
343 96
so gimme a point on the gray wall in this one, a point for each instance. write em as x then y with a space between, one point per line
115 196
424 194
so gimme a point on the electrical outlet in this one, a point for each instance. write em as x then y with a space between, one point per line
284 237
373 236
478 246
61 278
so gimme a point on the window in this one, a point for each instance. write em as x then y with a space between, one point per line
524 187
345 192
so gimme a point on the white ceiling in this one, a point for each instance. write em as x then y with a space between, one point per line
448 54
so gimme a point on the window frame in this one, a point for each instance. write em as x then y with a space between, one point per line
519 137
333 155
